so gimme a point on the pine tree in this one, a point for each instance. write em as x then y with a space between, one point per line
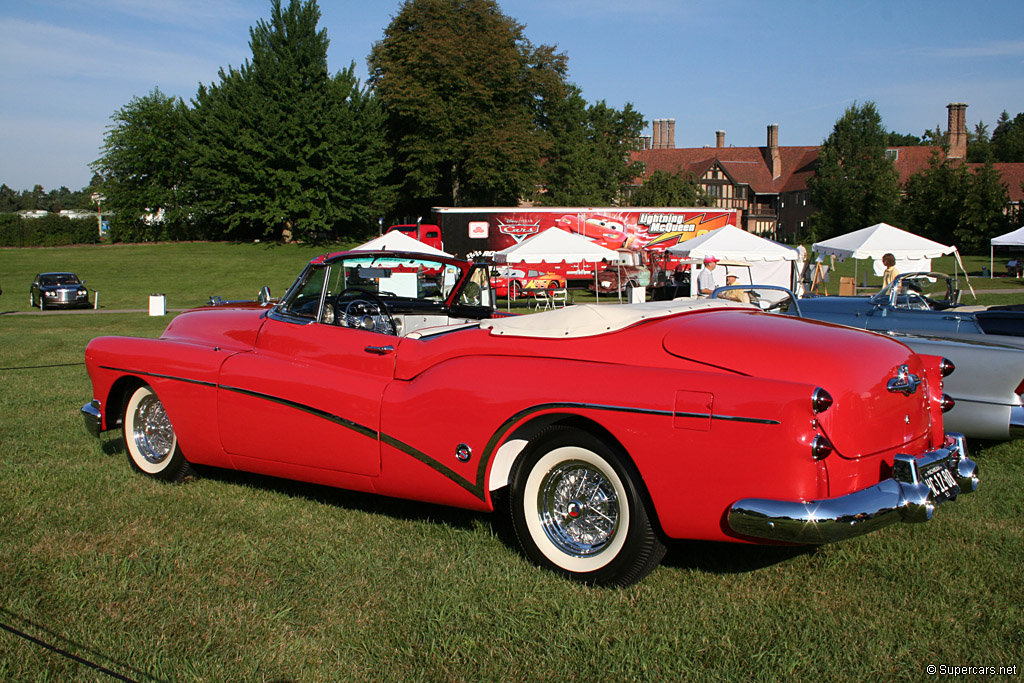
281 145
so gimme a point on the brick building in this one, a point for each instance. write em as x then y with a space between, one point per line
769 184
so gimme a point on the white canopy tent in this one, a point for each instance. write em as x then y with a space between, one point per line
768 262
555 245
1010 239
399 241
913 253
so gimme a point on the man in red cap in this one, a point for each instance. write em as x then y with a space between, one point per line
706 280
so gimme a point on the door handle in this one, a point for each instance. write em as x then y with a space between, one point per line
380 350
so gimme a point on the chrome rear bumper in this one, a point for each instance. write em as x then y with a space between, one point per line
906 497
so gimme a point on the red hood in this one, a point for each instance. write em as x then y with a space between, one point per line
852 365
232 329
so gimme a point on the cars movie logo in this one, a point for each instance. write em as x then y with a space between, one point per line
518 231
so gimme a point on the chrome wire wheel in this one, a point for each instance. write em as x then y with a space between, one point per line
578 508
152 431
150 439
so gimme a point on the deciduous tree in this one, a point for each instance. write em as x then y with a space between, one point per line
1008 139
855 184
146 168
465 93
669 189
588 159
948 203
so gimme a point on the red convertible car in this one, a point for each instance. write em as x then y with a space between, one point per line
391 373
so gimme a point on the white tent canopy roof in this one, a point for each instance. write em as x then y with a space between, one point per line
399 241
553 246
1010 239
881 239
730 242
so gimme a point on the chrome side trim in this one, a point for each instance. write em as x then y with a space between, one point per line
92 413
903 498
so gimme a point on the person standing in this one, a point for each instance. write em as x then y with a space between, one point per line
889 261
706 280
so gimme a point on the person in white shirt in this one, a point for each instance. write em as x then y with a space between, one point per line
706 280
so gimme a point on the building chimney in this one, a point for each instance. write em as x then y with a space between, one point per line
663 134
957 130
719 139
771 152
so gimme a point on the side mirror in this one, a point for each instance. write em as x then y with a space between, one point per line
264 296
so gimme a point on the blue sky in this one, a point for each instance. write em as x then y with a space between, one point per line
735 65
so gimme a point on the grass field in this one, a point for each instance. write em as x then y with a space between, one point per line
239 578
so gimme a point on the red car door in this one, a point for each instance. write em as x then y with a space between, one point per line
307 395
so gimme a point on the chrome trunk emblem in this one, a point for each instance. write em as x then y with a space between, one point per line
904 382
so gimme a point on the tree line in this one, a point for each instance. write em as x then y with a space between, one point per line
856 184
460 109
1004 145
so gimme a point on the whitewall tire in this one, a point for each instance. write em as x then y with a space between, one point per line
150 440
578 509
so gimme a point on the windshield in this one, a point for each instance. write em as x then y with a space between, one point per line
916 287
60 279
401 281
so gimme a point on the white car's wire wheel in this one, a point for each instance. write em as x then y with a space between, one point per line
149 438
577 509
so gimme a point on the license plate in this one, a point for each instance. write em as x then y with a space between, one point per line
941 483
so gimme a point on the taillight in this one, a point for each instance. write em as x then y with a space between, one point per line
1020 388
947 368
821 400
820 447
947 403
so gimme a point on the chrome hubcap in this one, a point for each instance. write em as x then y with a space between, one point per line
152 431
578 508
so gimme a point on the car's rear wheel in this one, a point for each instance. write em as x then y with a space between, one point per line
150 440
577 508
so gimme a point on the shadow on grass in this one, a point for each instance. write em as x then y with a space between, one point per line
706 556
729 558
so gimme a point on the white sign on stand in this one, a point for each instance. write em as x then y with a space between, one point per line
157 304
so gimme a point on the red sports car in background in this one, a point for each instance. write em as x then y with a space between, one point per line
390 373
523 281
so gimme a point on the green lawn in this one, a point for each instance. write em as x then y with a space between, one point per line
234 577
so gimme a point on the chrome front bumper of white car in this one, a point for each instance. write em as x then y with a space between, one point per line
917 486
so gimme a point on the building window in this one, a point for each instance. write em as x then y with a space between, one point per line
893 154
741 191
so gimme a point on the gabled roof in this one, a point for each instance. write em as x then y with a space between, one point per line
747 166
744 165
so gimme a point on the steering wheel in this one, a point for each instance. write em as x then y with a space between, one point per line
366 311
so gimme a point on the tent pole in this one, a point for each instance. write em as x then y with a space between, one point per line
991 261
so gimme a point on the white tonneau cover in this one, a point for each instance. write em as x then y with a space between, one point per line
585 320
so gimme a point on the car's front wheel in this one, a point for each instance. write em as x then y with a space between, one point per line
150 440
577 508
